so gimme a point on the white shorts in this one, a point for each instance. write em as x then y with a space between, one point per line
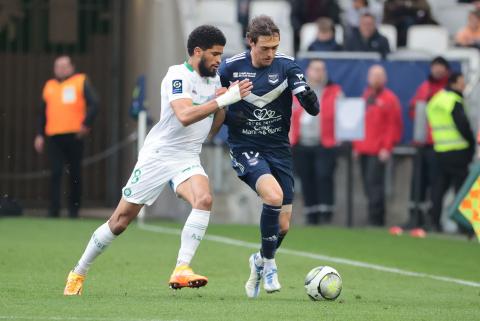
151 174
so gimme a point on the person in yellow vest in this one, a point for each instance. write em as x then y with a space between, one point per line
453 142
68 109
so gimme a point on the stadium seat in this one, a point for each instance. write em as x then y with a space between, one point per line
339 34
437 4
430 38
390 33
279 11
216 11
233 33
453 17
286 43
308 33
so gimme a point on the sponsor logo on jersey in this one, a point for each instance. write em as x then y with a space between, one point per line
264 114
177 86
244 74
301 77
273 78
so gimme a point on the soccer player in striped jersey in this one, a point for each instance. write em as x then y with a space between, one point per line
258 129
192 104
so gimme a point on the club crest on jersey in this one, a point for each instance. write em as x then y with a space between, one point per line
273 78
177 86
300 76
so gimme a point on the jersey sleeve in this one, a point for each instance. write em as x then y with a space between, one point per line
177 85
296 78
223 73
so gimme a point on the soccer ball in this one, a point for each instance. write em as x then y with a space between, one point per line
323 283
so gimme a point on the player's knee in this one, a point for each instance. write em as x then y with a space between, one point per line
203 202
273 198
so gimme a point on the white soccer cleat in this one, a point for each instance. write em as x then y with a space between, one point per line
270 278
252 287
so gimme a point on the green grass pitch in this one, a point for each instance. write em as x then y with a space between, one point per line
129 281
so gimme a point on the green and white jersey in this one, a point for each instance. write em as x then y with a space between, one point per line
169 136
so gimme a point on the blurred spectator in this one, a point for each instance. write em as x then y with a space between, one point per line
304 11
367 37
424 165
314 150
383 129
405 13
469 36
325 37
243 14
67 112
454 142
351 17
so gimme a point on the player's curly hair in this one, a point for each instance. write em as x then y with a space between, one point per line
261 25
205 37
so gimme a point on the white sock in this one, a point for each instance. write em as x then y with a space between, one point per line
269 264
192 234
101 238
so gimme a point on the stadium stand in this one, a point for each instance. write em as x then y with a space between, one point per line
430 38
308 33
390 33
280 13
453 17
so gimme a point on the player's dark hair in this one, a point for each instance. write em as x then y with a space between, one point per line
262 26
205 37
453 78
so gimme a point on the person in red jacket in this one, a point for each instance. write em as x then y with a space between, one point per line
383 129
425 167
314 146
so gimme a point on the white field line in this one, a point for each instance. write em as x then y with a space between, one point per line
234 242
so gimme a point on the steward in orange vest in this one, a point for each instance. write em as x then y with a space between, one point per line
66 115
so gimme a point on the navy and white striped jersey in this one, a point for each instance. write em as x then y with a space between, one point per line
262 119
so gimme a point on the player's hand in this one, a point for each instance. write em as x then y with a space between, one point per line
384 155
220 91
84 131
245 87
39 144
235 93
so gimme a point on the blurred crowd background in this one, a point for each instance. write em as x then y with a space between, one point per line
409 48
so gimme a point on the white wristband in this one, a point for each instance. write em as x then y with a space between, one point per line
230 97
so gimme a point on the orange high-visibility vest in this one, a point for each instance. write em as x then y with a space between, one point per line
66 106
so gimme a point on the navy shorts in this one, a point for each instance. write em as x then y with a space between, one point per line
250 165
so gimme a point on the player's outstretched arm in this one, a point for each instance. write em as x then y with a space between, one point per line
187 114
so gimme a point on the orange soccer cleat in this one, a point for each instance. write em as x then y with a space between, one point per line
74 284
183 276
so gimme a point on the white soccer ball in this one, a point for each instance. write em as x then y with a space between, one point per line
323 283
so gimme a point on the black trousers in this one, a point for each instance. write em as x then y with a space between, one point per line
315 165
452 172
65 149
373 179
425 170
